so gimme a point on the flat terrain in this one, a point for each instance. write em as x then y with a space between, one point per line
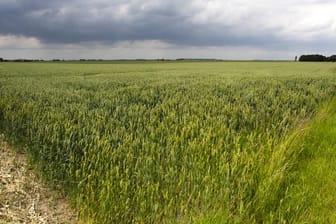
172 142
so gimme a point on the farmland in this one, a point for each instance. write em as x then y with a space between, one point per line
167 142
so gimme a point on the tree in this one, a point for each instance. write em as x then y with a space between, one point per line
1 59
312 57
332 58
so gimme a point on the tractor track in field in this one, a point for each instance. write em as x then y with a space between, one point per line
23 197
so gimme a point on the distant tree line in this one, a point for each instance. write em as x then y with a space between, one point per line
317 57
20 60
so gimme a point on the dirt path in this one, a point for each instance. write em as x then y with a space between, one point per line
23 198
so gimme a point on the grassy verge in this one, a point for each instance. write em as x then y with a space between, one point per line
311 195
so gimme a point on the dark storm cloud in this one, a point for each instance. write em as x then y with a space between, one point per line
262 23
80 21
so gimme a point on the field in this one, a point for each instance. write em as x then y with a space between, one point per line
171 142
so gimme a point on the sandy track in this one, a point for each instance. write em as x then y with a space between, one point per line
23 197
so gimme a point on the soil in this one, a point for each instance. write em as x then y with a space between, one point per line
23 196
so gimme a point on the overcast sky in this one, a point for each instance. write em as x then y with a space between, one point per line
111 29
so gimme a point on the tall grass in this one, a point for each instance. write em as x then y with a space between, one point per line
311 184
163 142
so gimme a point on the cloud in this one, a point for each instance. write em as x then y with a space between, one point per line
18 42
267 24
149 49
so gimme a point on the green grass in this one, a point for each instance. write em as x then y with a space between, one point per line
312 183
167 142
